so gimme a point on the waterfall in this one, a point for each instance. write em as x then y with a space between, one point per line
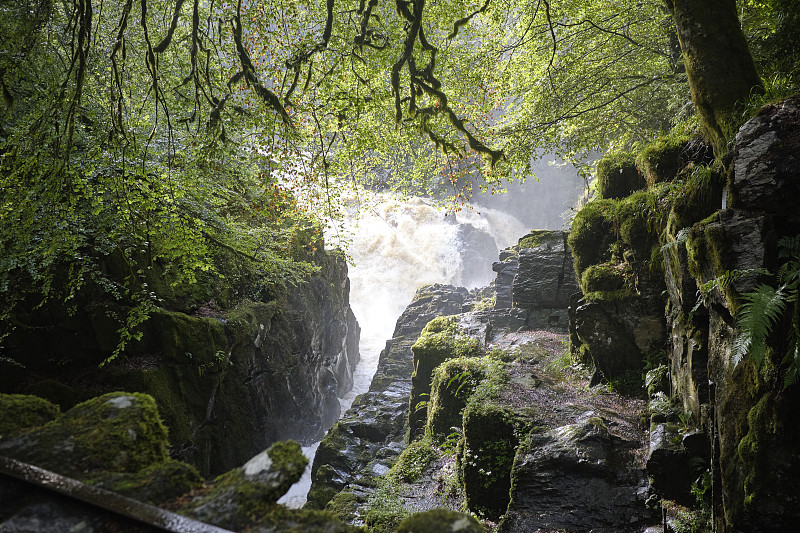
397 246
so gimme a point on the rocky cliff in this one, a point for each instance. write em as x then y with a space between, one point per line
228 382
712 241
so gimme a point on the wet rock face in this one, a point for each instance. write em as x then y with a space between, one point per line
576 467
767 162
363 444
228 383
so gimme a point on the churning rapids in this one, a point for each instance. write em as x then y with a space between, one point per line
398 246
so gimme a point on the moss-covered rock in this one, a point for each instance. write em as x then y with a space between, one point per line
454 381
344 506
592 234
155 484
695 198
539 237
117 432
19 412
662 159
618 176
413 461
440 521
440 340
492 432
246 496
604 278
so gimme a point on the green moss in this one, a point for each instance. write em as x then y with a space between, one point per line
662 159
617 176
592 233
695 198
385 510
287 456
454 381
440 521
413 461
116 432
539 237
115 436
608 282
344 506
761 424
440 340
21 412
155 484
603 277
639 218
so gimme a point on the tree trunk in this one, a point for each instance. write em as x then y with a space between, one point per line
720 68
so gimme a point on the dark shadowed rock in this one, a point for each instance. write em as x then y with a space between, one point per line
767 162
573 478
668 464
619 333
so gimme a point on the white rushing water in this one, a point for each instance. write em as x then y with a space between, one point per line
398 246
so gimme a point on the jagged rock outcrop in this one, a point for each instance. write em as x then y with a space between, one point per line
227 382
736 440
751 422
364 443
536 276
577 477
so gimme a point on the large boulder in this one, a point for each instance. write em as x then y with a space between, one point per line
767 162
569 479
116 432
545 277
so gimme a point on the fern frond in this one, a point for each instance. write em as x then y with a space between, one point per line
761 310
680 238
789 247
